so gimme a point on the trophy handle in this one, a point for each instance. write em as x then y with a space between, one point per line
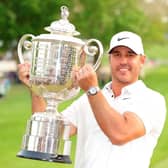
24 43
94 48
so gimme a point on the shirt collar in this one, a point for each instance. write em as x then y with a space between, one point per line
127 91
134 87
107 88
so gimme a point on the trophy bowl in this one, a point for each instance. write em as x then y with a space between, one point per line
53 57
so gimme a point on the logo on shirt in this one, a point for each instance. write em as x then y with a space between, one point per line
125 98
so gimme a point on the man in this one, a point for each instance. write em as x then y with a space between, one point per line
118 126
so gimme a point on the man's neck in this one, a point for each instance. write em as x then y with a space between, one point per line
117 87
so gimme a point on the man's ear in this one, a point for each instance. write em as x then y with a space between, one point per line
143 60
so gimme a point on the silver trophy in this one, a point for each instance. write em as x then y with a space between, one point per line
53 57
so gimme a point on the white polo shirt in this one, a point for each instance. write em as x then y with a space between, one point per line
95 150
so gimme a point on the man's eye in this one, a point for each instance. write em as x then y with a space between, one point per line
131 54
116 54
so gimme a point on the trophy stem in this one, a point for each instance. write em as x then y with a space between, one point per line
52 103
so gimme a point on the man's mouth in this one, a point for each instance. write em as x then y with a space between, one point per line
123 68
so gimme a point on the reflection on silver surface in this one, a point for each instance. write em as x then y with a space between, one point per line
46 134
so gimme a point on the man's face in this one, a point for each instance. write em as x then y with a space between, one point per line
125 65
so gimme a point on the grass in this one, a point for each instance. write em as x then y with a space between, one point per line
15 110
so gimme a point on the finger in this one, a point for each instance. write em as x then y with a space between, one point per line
23 67
23 77
23 74
74 79
26 65
81 71
75 68
89 68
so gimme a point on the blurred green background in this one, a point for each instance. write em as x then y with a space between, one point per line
93 19
96 18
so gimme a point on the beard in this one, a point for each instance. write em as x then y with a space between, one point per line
123 74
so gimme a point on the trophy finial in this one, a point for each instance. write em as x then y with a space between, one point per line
62 26
64 12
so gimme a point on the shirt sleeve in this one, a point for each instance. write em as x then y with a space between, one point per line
72 112
153 113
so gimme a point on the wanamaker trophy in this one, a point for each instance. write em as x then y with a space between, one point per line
53 57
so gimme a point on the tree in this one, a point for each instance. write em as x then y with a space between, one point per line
28 16
101 19
92 18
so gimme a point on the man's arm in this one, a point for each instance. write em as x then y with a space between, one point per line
120 128
38 103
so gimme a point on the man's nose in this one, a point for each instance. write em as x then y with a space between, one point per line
123 60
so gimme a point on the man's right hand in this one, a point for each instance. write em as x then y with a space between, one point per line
23 73
38 103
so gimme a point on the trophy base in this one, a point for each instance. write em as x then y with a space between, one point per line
44 156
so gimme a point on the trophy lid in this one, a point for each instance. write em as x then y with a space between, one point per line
62 26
